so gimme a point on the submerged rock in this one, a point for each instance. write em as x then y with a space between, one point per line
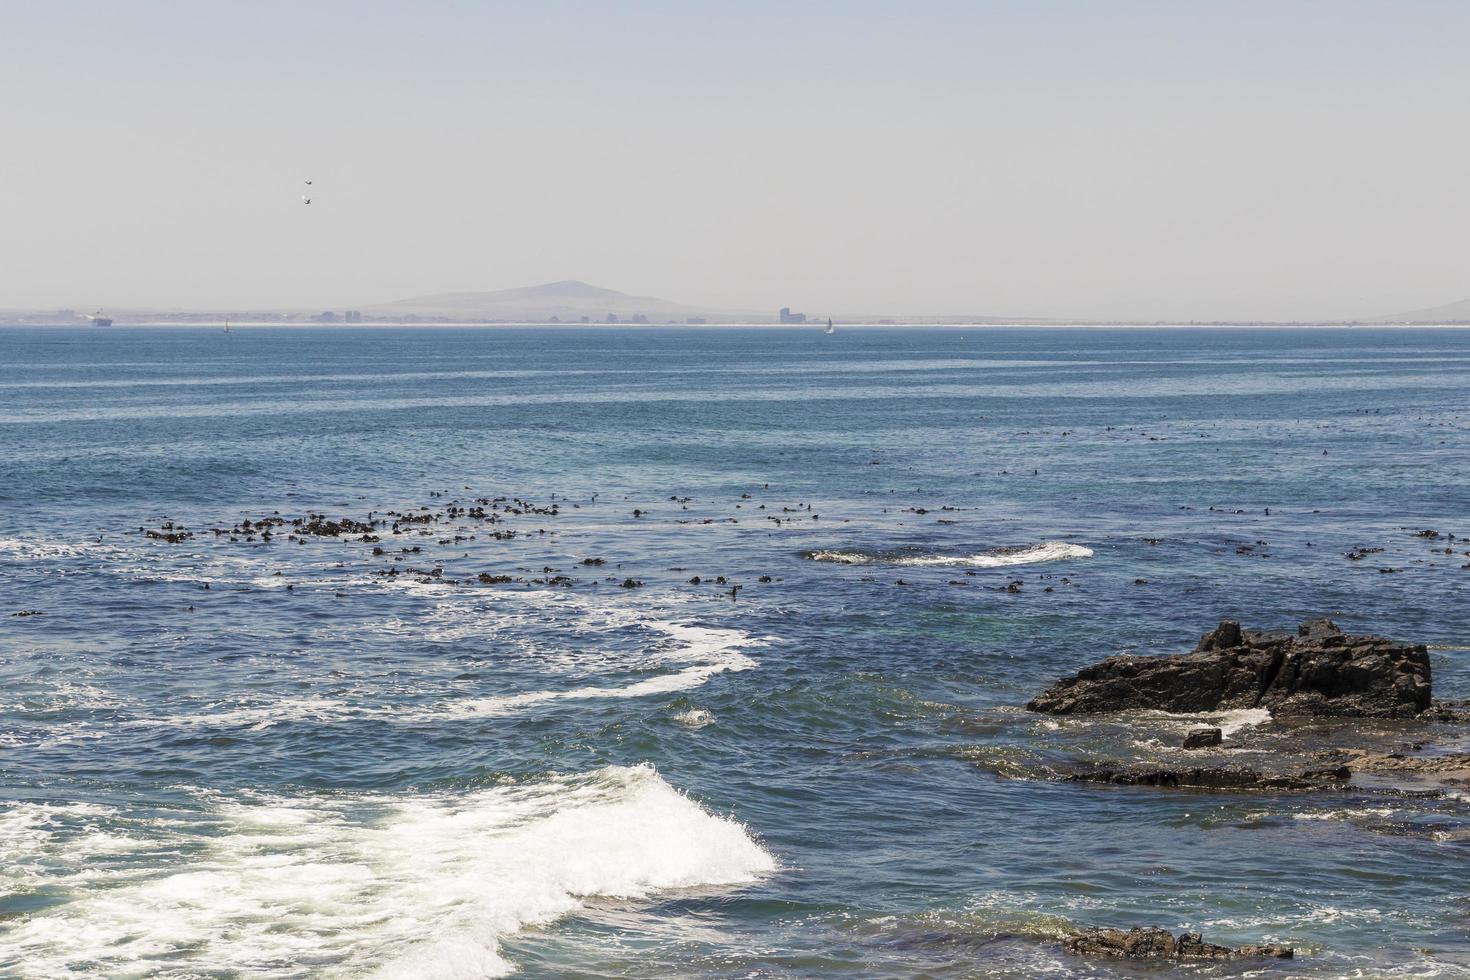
1434 768
1160 944
1319 671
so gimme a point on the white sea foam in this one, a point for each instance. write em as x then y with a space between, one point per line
25 828
1380 813
255 717
31 549
695 717
713 651
1230 722
999 558
387 886
703 653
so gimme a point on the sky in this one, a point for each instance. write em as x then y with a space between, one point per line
1148 159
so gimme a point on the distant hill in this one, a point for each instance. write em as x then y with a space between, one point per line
1449 313
568 300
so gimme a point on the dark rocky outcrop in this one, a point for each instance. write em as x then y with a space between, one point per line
1319 671
1160 944
1216 778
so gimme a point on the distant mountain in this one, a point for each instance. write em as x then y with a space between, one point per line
1449 313
568 300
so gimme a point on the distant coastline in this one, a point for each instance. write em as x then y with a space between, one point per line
571 302
124 320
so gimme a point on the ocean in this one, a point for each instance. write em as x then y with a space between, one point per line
697 652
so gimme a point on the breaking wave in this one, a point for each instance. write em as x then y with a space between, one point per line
352 885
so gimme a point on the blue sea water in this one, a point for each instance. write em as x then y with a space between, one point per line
232 756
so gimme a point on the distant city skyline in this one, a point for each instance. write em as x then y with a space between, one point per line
1291 160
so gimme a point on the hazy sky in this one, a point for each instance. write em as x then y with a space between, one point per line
1039 157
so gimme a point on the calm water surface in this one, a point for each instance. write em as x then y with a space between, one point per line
229 756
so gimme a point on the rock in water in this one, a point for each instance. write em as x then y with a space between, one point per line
1319 671
1203 738
1218 778
1160 944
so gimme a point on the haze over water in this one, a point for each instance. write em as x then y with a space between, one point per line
230 756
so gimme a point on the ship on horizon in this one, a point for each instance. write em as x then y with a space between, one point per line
98 320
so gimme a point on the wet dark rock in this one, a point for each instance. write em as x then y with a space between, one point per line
1454 712
28 612
1203 738
1159 944
629 583
1321 671
1223 637
487 579
1215 778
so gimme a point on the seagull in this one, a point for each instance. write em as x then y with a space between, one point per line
305 200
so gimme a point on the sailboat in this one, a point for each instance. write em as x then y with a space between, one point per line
227 324
829 330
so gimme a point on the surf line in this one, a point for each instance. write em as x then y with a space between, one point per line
999 558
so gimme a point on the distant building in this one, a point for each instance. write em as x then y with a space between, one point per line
696 320
352 316
638 318
788 317
612 318
586 319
